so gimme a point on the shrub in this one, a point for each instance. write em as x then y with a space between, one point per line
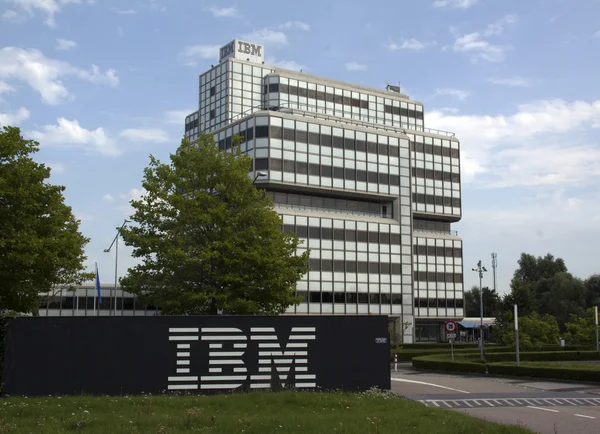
560 373
543 356
437 363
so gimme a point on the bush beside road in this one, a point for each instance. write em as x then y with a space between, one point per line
534 364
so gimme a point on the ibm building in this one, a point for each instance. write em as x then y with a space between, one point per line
355 173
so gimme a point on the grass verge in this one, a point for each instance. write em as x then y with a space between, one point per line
264 413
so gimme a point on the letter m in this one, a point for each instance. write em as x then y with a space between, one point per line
295 353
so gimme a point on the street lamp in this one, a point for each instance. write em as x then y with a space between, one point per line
479 269
116 243
259 175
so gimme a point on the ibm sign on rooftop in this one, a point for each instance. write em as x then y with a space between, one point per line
242 50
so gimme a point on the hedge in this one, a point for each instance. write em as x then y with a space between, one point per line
467 363
559 373
543 356
443 364
408 355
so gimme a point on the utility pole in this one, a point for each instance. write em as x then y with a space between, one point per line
494 265
480 270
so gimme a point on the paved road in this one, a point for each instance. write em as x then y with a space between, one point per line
543 406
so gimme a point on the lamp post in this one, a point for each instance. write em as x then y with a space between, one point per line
259 175
116 243
479 269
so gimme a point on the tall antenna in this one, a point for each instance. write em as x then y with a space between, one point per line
494 265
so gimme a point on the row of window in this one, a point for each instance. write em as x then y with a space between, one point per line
89 302
402 112
430 199
372 298
349 297
439 302
436 175
350 235
434 150
432 276
326 171
437 251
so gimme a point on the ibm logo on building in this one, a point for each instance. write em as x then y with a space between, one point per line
227 369
240 47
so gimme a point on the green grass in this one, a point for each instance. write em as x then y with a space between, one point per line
264 413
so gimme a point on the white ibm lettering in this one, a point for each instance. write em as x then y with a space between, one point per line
227 346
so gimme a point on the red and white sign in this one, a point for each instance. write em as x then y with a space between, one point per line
450 326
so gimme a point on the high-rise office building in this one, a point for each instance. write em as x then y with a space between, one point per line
356 174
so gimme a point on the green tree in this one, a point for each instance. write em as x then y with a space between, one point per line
581 330
492 304
40 243
561 295
535 330
210 242
592 284
523 284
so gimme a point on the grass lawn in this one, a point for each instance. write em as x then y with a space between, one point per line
264 413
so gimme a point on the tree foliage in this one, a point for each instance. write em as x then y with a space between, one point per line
523 286
208 239
535 330
492 304
40 242
561 295
581 330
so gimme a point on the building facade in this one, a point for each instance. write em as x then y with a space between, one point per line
356 174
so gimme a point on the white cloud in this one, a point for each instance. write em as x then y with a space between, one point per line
151 135
409 44
56 168
544 143
125 11
14 118
5 87
515 81
177 117
27 8
108 197
478 48
355 66
286 64
295 25
44 74
267 36
456 4
497 27
65 44
597 34
69 134
457 93
192 53
229 12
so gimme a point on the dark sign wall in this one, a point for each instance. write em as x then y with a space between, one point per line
197 354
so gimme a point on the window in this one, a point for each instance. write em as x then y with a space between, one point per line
262 131
213 91
213 113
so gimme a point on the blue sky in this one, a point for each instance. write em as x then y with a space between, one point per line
103 84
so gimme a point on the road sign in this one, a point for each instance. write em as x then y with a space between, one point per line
451 335
450 326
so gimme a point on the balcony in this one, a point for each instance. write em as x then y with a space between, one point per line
315 112
436 231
